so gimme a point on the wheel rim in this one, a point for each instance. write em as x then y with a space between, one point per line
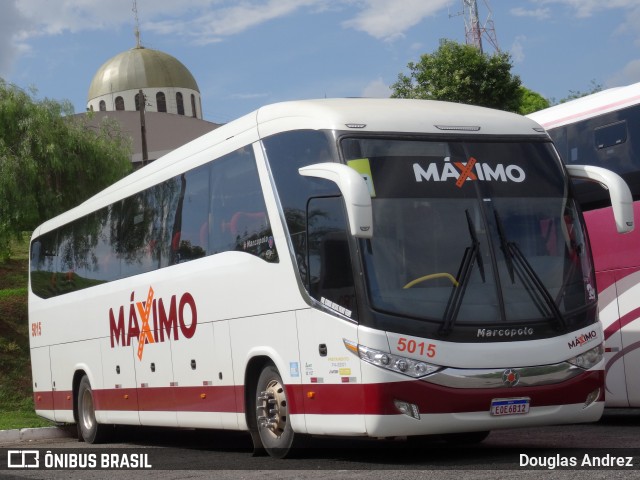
272 409
88 416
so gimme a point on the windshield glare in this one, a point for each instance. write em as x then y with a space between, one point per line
471 233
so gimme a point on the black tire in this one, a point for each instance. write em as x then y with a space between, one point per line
272 414
90 430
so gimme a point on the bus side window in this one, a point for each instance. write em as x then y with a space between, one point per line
44 259
330 272
238 219
189 228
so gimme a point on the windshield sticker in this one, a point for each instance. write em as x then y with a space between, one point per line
470 170
363 167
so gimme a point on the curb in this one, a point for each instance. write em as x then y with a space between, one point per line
26 434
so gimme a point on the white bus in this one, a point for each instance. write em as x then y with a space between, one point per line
381 268
602 130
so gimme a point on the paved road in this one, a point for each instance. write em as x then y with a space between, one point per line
207 454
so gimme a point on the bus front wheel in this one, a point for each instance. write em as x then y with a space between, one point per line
90 430
272 414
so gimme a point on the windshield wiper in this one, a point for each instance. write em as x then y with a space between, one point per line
471 254
518 263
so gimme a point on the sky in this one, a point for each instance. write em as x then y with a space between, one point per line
248 53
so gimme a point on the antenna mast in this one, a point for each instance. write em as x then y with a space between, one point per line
136 29
474 30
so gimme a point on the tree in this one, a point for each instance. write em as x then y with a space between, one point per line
463 74
532 102
51 160
573 94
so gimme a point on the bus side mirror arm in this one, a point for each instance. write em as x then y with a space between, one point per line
621 199
354 190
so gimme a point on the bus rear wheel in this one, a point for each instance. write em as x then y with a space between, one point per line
272 414
90 430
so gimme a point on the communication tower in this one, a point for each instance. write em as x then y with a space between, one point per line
474 30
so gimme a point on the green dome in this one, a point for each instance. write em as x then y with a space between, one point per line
140 68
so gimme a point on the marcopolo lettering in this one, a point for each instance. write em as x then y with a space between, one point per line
153 320
471 170
582 339
504 332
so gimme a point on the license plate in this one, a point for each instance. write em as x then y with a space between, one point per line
510 406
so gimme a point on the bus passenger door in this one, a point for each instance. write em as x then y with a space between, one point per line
119 399
628 289
331 378
615 386
153 360
205 394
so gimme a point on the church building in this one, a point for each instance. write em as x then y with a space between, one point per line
172 109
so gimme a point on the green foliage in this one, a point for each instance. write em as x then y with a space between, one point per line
51 160
573 94
462 74
532 102
16 391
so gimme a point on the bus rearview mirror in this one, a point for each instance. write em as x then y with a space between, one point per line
621 199
354 190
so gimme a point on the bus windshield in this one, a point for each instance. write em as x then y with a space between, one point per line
472 232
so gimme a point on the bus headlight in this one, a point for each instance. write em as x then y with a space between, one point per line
406 366
588 359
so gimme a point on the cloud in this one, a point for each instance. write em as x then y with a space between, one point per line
11 24
630 73
587 8
231 18
517 49
538 13
376 89
389 19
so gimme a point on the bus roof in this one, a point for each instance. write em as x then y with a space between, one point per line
588 106
390 115
356 114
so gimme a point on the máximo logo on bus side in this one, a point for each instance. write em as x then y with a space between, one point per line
166 320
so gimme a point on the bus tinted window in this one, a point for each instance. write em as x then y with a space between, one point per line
287 152
238 212
330 275
610 135
211 209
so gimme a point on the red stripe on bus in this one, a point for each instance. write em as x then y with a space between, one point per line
592 112
624 321
378 398
188 399
337 399
43 400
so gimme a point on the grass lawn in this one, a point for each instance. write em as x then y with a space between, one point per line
16 394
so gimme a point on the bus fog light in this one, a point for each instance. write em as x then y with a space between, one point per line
408 409
592 398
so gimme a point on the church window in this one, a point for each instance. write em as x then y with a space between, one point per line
103 106
193 106
161 102
119 103
180 103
